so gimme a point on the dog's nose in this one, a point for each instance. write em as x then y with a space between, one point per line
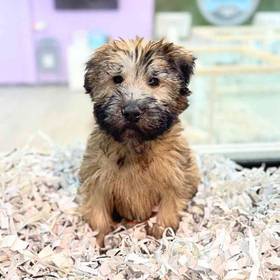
132 112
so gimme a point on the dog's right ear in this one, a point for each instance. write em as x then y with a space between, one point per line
93 68
87 85
90 73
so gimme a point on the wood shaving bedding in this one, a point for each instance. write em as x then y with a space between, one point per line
230 231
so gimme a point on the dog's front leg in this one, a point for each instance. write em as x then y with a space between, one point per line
168 215
97 212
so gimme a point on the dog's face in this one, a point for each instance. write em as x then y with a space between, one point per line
138 88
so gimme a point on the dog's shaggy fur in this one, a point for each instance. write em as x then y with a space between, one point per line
136 156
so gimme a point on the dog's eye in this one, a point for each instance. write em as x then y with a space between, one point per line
153 82
118 79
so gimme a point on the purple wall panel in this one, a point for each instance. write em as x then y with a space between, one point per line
18 18
133 17
16 48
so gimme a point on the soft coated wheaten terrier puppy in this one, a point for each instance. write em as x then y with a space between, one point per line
137 157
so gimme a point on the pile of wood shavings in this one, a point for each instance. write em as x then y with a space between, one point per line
231 229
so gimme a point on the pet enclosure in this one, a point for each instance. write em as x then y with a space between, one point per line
236 92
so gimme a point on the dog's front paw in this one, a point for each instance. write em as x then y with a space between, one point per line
157 225
100 240
155 230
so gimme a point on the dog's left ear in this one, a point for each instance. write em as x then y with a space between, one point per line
185 63
182 60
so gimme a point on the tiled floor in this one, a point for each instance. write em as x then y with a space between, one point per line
24 111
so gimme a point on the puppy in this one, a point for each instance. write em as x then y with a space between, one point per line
136 157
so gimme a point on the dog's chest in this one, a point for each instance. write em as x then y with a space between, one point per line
136 187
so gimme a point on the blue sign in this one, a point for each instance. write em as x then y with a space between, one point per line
227 12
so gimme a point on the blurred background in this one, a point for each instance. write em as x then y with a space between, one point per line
235 106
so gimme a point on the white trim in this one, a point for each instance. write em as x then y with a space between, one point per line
248 151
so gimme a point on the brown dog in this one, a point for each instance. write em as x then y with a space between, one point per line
136 156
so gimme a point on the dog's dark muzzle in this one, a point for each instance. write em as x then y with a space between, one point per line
131 112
